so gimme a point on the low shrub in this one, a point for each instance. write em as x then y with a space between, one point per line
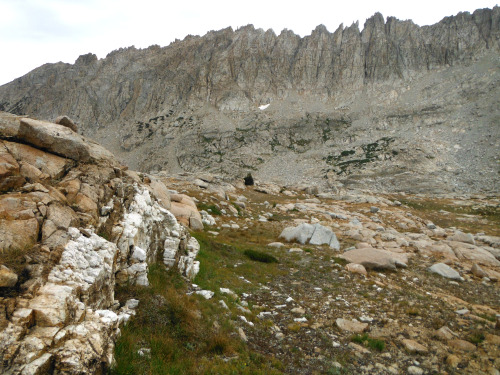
260 256
369 342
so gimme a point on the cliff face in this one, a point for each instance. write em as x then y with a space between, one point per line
199 93
74 223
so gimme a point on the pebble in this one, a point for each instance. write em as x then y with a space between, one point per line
414 370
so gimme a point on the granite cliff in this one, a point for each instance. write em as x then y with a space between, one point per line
75 224
392 107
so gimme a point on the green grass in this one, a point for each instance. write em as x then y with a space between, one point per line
218 260
210 208
369 342
185 334
476 337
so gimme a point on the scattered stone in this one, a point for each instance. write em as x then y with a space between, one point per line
242 334
207 294
229 292
356 268
452 360
351 325
463 311
414 370
478 271
445 271
374 209
358 348
8 278
462 345
412 346
276 244
300 320
444 333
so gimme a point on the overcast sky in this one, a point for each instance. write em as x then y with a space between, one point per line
34 32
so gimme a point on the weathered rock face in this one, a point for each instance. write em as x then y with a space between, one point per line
71 228
390 106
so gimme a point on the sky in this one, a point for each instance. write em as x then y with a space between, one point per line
35 32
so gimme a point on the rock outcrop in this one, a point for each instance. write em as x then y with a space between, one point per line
74 223
390 106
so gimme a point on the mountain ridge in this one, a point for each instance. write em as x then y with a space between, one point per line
197 94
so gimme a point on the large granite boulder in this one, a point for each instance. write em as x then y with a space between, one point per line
376 259
315 234
62 141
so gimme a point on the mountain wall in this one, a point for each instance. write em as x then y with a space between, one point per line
394 106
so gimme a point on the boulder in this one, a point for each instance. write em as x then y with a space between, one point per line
313 234
462 237
376 259
50 164
67 122
301 233
445 271
474 254
200 183
184 208
161 193
356 268
62 141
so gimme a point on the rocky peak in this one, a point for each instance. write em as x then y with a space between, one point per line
329 95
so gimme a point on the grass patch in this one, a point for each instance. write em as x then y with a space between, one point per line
491 318
340 261
369 342
260 256
184 334
210 208
476 337
224 264
488 216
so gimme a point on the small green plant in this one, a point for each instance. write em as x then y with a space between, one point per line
476 337
260 256
340 261
104 235
369 342
413 311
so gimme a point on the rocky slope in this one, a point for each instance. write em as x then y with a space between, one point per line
394 106
364 283
75 223
289 281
